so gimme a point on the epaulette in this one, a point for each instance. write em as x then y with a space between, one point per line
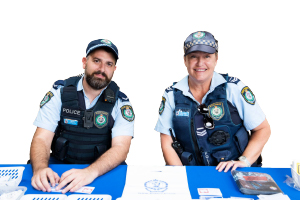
123 97
62 82
58 83
233 80
169 89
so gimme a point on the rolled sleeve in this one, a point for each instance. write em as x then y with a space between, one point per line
251 114
49 114
164 122
122 126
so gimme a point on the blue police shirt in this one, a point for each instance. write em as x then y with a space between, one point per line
251 114
49 115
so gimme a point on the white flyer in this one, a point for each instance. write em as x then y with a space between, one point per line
155 183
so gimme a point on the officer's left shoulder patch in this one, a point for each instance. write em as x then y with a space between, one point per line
233 80
46 98
248 95
123 97
162 105
127 113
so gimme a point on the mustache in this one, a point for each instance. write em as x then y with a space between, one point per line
99 72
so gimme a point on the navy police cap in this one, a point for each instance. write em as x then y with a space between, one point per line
101 43
200 41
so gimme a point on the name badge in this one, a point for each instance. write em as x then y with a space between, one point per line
182 113
71 122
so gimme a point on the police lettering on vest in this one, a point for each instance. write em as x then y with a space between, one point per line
70 111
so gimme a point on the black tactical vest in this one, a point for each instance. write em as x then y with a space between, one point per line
83 135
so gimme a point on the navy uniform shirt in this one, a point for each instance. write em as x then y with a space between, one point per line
49 114
237 93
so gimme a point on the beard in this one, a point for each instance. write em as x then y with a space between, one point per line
97 83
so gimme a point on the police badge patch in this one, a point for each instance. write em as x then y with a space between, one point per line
127 113
248 95
216 110
100 119
46 99
162 105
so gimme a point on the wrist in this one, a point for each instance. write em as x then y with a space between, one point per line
245 160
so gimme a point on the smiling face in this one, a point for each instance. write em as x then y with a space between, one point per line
200 66
99 68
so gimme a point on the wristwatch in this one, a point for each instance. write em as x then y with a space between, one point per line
245 160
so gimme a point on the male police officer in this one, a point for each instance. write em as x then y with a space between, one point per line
95 123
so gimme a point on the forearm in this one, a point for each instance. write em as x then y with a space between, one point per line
40 149
109 160
256 143
39 154
170 156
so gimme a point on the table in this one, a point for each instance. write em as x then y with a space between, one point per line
113 182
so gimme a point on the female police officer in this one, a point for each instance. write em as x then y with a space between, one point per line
204 118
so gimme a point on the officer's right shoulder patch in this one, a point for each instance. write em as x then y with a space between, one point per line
162 105
58 83
46 98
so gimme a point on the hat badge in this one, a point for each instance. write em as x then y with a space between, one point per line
106 41
199 35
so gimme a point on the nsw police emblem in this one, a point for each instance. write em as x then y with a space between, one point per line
105 41
127 113
100 119
198 35
156 186
248 95
216 110
46 98
162 105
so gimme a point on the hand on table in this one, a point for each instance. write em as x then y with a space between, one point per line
77 178
227 165
40 179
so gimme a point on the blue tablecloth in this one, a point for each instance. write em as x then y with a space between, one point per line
113 182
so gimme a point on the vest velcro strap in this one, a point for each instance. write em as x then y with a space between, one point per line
70 94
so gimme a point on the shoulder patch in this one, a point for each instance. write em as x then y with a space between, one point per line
46 98
127 113
123 97
248 95
58 83
233 80
162 105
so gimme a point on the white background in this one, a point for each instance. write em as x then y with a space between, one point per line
42 42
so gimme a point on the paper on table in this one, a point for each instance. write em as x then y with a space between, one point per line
279 196
148 182
84 189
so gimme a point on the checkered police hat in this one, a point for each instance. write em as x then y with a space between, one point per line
101 43
200 41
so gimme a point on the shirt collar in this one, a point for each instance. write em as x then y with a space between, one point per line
183 85
80 87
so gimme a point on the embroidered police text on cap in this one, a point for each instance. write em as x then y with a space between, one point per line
101 43
200 41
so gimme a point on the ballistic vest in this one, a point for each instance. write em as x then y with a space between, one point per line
227 141
83 135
